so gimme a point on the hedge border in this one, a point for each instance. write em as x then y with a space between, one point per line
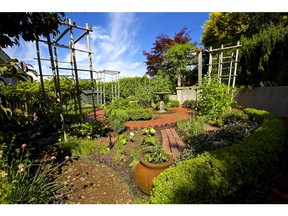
214 175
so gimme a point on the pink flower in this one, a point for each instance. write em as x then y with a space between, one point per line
21 168
24 145
67 158
53 158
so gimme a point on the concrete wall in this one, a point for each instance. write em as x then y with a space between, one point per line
272 99
183 94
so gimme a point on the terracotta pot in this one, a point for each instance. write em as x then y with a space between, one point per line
145 172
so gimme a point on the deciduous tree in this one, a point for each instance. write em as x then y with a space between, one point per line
156 57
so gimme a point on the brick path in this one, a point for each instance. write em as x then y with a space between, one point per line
161 120
171 141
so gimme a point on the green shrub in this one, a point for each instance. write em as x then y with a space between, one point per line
148 140
139 114
213 176
173 103
213 99
80 146
189 104
192 126
116 119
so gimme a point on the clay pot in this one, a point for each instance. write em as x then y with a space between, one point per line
145 172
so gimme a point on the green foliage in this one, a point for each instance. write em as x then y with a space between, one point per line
189 104
229 134
214 98
155 154
173 103
150 131
24 182
29 26
178 58
213 176
87 130
80 146
262 57
228 27
120 152
41 188
116 119
192 126
135 154
148 141
139 114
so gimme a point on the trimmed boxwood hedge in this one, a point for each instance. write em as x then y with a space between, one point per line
130 114
214 175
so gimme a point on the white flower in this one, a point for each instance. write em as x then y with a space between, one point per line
1 154
23 145
67 158
3 174
131 134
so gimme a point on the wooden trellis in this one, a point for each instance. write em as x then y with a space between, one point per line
224 61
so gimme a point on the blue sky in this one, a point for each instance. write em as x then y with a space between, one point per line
117 41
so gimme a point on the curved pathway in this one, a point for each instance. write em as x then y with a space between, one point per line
161 120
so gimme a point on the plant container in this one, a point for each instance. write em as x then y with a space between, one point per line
145 172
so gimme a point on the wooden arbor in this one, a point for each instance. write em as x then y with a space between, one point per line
224 61
56 67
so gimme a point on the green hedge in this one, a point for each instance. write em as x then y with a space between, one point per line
139 114
214 175
130 114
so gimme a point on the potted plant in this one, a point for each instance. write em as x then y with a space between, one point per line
153 161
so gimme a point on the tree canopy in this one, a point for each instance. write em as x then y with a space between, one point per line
157 55
29 26
228 27
170 55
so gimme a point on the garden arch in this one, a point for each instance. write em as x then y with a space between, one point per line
224 61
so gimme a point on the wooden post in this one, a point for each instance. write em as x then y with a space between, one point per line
200 67
235 65
41 74
210 63
220 63
75 69
58 93
91 68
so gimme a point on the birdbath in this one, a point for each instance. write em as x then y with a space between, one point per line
161 95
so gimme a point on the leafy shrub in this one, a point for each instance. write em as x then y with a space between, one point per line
149 131
116 119
213 176
80 146
233 115
155 154
139 114
214 98
173 103
148 140
192 126
87 129
229 134
189 104
120 153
